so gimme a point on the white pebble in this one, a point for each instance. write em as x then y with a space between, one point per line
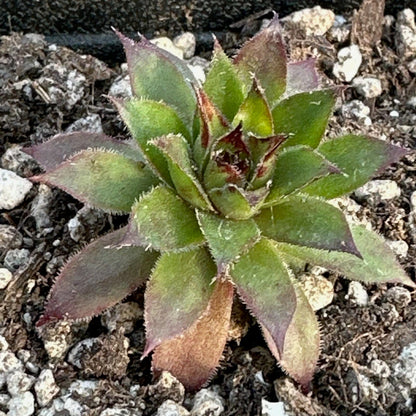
394 114
207 401
13 189
187 42
45 388
399 247
18 382
349 61
167 45
5 277
378 189
22 405
368 87
357 294
272 408
313 21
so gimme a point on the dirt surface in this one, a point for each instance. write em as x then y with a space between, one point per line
362 369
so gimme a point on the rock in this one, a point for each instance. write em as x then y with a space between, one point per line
399 247
368 87
18 382
121 87
22 405
199 67
378 190
17 258
405 38
75 356
314 21
167 387
9 237
45 388
91 123
65 406
356 109
40 208
368 391
9 362
187 42
167 45
83 388
339 31
170 408
405 367
125 315
411 102
207 402
394 114
4 345
349 61
380 368
87 219
13 189
18 162
411 66
5 277
357 294
399 296
317 289
272 408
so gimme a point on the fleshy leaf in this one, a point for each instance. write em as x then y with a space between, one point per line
148 119
296 167
359 158
264 56
308 222
227 239
52 153
102 179
263 283
304 117
164 221
222 84
236 203
193 356
176 151
301 346
160 76
97 278
378 263
177 294
301 77
254 113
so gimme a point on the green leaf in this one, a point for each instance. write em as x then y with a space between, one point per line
160 76
301 346
378 263
308 222
304 117
264 56
52 153
301 77
176 151
102 179
193 356
97 278
254 113
295 168
222 84
147 120
359 158
263 283
164 221
177 294
227 239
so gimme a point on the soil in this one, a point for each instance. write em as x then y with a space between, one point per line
354 337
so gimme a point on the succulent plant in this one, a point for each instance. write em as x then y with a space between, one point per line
227 185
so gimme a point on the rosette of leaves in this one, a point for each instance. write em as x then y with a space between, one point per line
227 186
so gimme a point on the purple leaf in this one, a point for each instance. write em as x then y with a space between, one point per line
301 76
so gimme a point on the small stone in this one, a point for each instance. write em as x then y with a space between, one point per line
170 408
5 277
378 190
40 207
411 66
75 356
198 72
45 388
65 406
349 61
339 31
9 237
13 189
394 114
17 161
22 405
91 123
4 345
357 294
123 314
207 402
118 411
167 45
399 247
380 368
405 38
356 109
83 388
411 102
18 382
4 399
272 408
314 21
368 87
86 219
405 367
368 391
318 290
9 362
15 259
399 296
167 387
121 87
187 42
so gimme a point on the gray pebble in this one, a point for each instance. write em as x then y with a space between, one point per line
10 237
18 382
378 190
40 207
15 259
22 405
13 189
91 123
207 402
45 388
170 408
368 87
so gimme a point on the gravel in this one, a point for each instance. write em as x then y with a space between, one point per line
349 62
13 189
